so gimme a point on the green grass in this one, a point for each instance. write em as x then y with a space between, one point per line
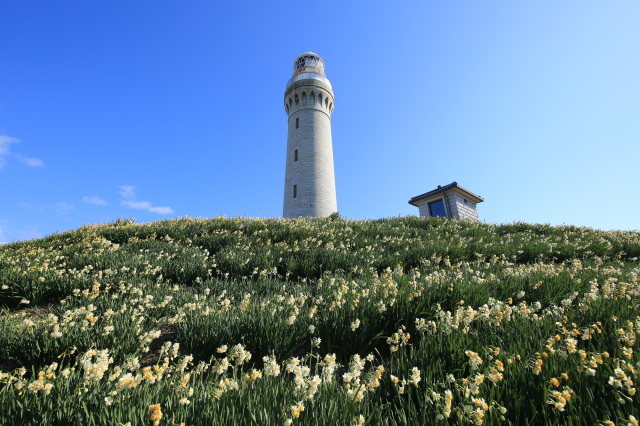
397 321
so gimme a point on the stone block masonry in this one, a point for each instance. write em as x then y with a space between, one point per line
309 189
462 208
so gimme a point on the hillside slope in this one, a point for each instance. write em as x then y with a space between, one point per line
321 321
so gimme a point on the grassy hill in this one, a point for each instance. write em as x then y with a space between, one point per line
323 321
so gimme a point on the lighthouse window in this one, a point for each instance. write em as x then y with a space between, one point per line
295 155
297 122
295 191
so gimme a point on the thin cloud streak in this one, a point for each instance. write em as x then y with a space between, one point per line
129 195
127 192
4 147
2 241
10 234
63 207
94 200
161 210
31 162
4 153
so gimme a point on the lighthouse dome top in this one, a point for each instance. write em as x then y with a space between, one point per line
308 62
308 66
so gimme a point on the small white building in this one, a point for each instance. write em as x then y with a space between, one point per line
451 201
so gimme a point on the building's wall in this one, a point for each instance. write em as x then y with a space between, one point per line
464 210
455 204
423 207
452 207
313 173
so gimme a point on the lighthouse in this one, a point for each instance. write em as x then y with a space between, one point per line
309 183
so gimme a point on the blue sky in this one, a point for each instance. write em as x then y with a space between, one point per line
167 109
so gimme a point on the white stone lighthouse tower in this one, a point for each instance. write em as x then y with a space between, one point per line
309 183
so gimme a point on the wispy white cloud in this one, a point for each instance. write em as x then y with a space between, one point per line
161 210
4 147
129 200
25 234
146 205
31 162
4 143
63 207
4 153
9 233
30 206
2 241
94 200
127 192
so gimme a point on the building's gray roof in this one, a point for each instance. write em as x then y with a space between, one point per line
440 189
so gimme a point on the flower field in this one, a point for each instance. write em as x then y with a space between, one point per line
320 321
